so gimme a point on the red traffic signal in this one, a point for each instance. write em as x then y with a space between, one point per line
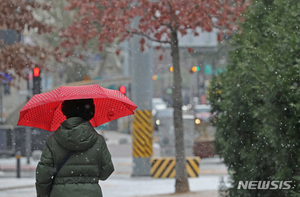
36 86
122 89
36 72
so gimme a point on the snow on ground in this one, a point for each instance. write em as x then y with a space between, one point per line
126 187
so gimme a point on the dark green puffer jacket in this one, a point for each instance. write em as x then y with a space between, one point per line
89 163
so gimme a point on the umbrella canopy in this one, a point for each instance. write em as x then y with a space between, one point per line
44 110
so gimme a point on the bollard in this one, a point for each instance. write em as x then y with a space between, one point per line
18 156
164 167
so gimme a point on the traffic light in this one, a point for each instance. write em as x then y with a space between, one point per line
122 89
36 72
171 69
155 77
195 68
36 88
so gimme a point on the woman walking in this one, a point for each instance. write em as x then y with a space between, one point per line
75 157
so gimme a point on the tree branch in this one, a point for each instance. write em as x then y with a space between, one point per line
171 13
78 61
163 24
148 37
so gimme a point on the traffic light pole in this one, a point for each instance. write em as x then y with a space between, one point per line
198 82
28 89
28 144
1 95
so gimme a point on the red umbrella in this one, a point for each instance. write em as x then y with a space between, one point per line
44 110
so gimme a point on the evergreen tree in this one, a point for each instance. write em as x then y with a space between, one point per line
258 105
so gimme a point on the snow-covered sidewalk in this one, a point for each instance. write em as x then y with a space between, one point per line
120 184
149 186
124 187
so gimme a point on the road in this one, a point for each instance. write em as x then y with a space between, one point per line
121 155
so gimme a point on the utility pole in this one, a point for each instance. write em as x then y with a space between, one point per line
142 127
198 81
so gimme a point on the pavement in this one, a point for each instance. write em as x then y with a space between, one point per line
133 187
190 194
120 183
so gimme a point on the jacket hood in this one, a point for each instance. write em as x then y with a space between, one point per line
76 134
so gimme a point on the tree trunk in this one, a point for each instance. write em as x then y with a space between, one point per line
181 184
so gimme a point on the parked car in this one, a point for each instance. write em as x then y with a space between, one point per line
160 115
158 104
202 114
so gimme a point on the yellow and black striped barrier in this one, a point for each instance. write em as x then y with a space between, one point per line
142 133
164 167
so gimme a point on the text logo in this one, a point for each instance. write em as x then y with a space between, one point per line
264 184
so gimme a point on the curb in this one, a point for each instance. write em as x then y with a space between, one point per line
213 172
